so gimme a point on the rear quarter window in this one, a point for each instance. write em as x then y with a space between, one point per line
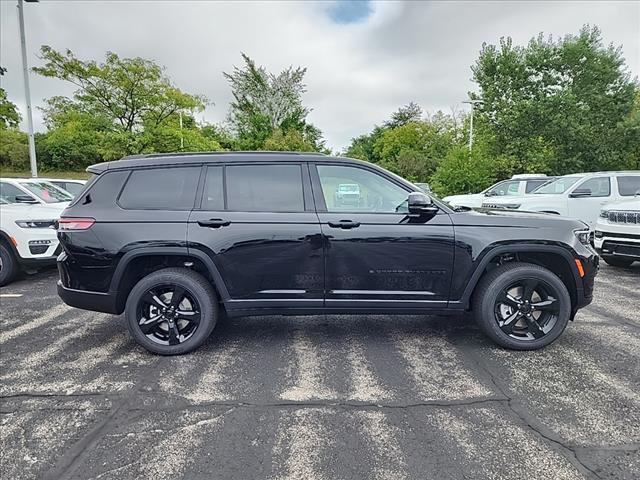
160 189
101 189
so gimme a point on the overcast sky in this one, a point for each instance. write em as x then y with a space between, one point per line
364 59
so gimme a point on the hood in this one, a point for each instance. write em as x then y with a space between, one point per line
626 205
454 198
521 218
34 211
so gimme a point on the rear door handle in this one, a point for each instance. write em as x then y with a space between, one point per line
345 224
214 223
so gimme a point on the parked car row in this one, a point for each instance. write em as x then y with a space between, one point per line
609 202
29 208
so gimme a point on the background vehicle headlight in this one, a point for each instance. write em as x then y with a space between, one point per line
35 223
583 236
604 213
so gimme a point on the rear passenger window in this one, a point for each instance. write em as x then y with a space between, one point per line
629 186
264 188
161 188
213 198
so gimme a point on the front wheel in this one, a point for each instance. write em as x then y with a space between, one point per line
8 266
617 261
172 311
522 306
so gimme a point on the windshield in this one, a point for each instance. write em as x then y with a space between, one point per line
557 186
47 192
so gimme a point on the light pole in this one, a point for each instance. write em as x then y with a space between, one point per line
473 104
27 90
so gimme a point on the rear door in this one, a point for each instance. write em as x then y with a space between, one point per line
258 224
376 257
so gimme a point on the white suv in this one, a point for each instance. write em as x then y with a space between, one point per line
617 236
27 237
579 195
517 186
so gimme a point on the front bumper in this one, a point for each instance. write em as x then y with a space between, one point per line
615 244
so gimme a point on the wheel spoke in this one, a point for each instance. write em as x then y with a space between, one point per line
178 296
189 315
509 300
550 304
509 322
174 334
152 299
151 324
528 288
534 327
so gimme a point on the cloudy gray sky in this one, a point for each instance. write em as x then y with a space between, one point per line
364 60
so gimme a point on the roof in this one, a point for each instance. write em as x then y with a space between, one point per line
613 172
153 159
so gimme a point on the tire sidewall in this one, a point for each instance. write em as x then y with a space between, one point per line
9 265
490 325
204 296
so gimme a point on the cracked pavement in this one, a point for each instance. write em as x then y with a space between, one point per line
381 397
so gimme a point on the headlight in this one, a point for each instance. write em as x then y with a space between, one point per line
583 236
604 213
35 223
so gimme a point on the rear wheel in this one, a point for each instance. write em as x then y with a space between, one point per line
617 261
522 306
172 311
8 266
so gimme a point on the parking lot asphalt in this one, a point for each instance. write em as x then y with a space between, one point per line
335 397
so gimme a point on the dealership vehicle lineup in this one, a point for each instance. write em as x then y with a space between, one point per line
318 300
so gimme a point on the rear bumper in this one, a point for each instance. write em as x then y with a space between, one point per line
95 301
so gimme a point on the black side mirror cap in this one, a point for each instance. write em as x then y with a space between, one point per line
420 204
580 192
25 199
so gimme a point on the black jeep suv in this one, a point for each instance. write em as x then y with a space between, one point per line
175 240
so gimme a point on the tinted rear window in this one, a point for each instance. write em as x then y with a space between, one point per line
264 188
161 188
629 186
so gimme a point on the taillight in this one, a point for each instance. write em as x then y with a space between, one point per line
75 223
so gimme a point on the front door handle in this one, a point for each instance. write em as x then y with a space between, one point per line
214 223
345 224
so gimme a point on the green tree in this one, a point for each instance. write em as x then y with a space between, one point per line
268 108
411 112
9 114
130 99
462 171
558 106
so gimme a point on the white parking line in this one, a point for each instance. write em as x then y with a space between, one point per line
10 295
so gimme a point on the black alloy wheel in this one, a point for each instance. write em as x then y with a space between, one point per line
168 314
521 306
172 311
527 310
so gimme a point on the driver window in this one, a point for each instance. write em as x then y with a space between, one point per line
599 186
506 188
352 189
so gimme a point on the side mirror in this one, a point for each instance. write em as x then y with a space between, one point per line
490 193
580 192
25 199
420 204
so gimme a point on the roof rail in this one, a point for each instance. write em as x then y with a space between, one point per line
241 152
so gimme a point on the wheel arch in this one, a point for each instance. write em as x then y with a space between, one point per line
558 259
138 263
5 239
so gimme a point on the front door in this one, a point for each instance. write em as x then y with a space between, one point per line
258 225
376 256
587 208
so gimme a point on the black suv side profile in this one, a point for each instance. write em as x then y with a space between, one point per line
177 240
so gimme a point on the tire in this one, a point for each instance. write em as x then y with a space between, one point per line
8 266
172 329
516 319
617 261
